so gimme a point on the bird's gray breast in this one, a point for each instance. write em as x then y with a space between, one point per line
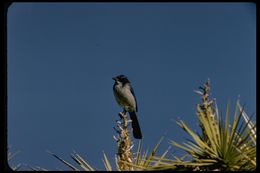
124 97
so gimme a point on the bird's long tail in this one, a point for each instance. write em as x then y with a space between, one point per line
135 125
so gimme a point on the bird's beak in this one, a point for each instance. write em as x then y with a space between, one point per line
114 78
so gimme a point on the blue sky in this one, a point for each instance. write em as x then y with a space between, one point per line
62 57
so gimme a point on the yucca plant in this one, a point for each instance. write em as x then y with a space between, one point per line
142 161
11 156
149 162
125 159
222 145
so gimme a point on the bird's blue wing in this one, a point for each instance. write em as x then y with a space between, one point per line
132 91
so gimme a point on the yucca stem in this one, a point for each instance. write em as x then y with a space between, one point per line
206 107
124 155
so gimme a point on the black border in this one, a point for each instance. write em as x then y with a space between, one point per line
3 144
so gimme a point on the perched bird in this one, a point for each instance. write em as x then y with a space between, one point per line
125 97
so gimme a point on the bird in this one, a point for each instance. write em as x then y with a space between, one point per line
125 97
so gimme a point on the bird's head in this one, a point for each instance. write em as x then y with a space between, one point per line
121 79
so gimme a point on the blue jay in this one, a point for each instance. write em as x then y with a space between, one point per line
125 97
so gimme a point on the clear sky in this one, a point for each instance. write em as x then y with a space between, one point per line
62 57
